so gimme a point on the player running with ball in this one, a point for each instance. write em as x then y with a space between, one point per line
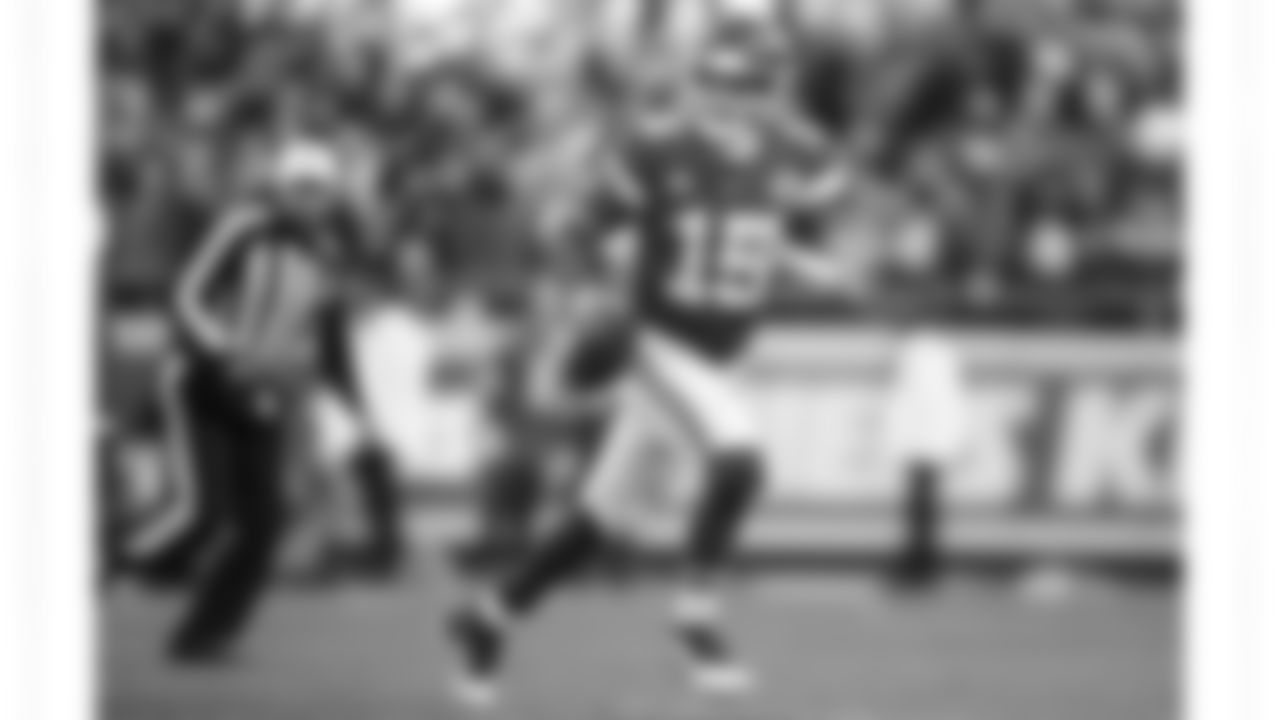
706 208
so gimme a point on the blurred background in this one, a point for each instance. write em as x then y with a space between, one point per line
1019 167
1035 154
1018 180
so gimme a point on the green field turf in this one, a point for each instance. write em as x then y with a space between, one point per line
825 653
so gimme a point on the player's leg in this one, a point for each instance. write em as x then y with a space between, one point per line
386 363
733 484
602 508
708 401
348 452
325 531
480 628
376 482
109 495
170 546
511 486
239 571
211 466
919 558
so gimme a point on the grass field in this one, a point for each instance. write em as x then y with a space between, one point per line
824 650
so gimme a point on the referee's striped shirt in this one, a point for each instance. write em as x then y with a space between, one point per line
256 288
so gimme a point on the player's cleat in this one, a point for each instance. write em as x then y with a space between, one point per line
196 652
479 643
724 679
476 692
1048 586
697 608
699 620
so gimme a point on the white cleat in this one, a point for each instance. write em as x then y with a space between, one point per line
697 608
724 679
1049 587
478 694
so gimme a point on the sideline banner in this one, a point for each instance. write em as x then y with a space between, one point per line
1062 424
1077 424
1073 447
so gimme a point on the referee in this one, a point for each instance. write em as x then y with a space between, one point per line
248 307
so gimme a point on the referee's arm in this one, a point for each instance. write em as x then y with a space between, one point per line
194 314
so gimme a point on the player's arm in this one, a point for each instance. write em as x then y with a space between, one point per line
818 174
549 388
810 195
606 234
580 362
193 312
815 193
820 269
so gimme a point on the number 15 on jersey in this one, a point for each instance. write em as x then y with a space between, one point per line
724 263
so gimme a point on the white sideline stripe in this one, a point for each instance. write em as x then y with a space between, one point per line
869 533
685 707
180 451
868 595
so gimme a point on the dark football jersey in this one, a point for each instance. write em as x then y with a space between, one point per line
709 214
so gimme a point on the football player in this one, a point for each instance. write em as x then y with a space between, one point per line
703 209
348 447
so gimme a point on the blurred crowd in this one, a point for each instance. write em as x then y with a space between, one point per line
1018 161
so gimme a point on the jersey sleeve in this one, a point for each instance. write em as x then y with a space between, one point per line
629 172
604 235
618 194
209 268
810 182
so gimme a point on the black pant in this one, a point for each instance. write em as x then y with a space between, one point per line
111 515
511 489
235 458
920 557
381 503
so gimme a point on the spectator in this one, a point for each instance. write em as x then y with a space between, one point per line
927 439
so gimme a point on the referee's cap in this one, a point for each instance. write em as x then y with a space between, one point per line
305 162
741 55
